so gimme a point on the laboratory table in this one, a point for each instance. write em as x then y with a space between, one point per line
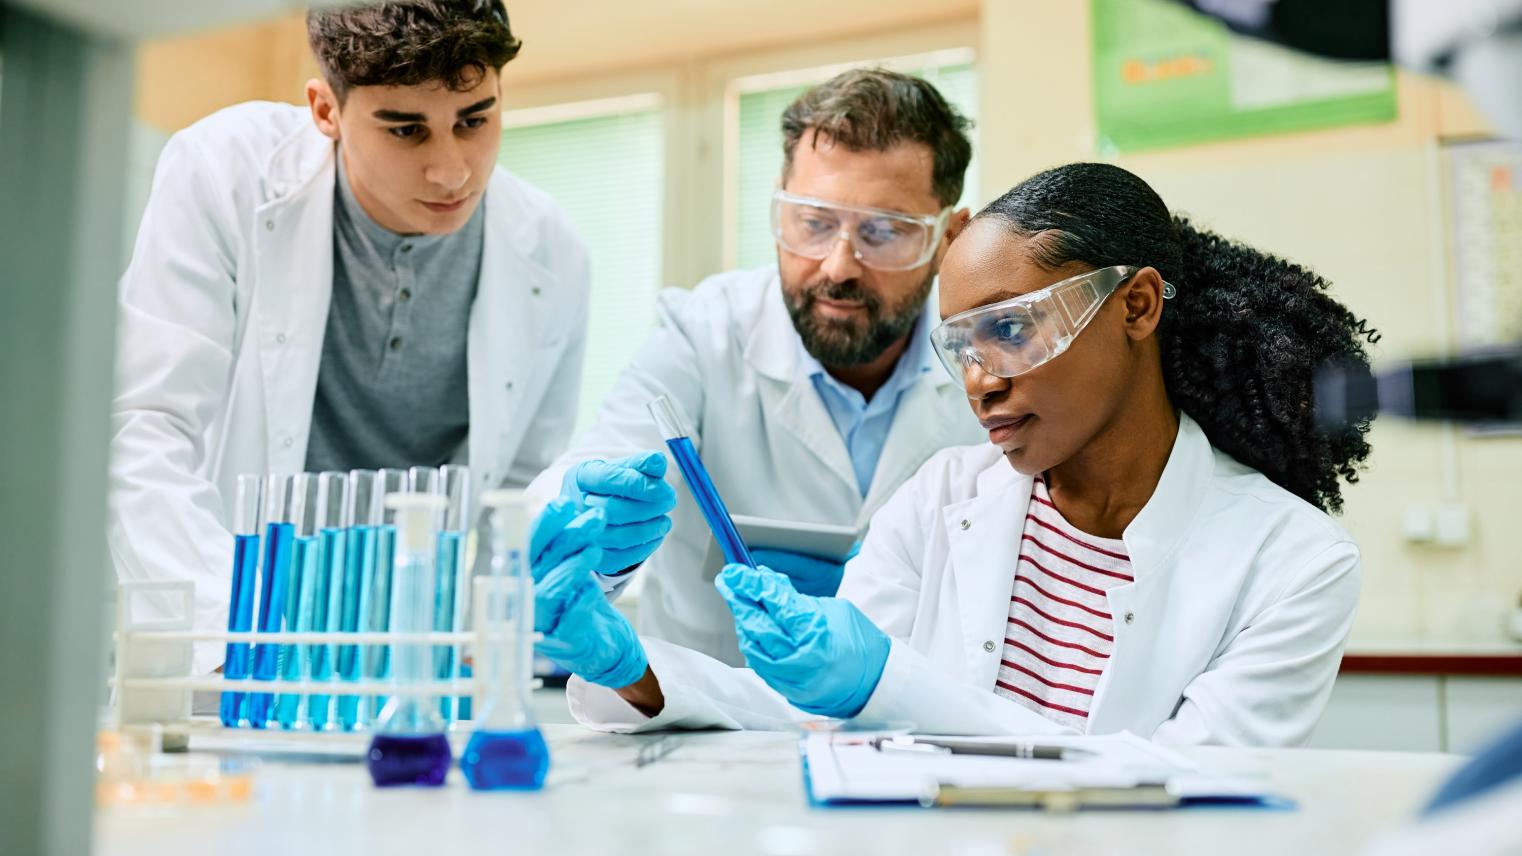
741 792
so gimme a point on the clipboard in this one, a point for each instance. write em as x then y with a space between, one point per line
1124 772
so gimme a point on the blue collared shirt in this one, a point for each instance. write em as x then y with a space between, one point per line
862 424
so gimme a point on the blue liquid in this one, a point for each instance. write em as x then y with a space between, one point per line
327 611
708 500
506 760
451 557
378 657
277 569
240 619
408 759
358 569
298 618
463 708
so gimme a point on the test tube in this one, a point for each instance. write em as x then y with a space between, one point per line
278 535
378 618
506 749
679 441
451 590
362 521
240 604
333 511
298 594
409 746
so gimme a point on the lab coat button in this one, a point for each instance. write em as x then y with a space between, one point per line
989 646
1130 617
280 338
269 225
288 442
509 386
535 291
966 525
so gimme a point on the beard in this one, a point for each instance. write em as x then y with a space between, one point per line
858 340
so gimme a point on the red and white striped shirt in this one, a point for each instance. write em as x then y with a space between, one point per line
1059 634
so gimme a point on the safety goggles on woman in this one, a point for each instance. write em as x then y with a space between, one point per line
881 239
1013 336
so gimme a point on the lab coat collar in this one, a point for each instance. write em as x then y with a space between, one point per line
299 160
1162 523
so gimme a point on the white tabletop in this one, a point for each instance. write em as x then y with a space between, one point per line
734 793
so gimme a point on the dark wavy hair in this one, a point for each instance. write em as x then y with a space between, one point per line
872 109
408 42
1242 339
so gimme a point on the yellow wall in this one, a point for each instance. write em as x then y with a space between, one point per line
1362 205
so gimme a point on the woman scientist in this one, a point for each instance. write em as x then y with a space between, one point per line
1152 553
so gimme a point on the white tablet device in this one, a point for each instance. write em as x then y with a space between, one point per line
824 540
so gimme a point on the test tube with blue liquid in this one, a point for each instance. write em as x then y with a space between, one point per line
679 440
452 588
506 750
298 594
362 521
377 619
327 588
274 574
409 746
240 604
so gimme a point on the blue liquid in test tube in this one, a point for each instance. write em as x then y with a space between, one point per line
376 618
240 605
452 579
409 747
327 588
679 441
361 521
278 535
298 595
506 750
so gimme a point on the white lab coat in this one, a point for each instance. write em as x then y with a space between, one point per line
223 312
727 354
1231 633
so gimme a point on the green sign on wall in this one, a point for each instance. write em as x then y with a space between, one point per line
1165 76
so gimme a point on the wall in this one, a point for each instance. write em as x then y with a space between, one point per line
1364 207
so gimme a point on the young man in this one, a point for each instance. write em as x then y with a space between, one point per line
353 285
809 384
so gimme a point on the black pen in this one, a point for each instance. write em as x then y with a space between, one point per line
1030 751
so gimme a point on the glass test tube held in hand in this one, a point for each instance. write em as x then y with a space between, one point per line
409 746
506 750
278 535
240 604
363 517
298 594
327 592
679 440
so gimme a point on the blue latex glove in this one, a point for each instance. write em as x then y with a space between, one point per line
811 575
821 653
583 633
637 502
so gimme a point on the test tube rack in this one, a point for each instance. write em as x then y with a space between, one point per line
154 679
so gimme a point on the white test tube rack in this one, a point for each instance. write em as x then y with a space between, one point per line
153 679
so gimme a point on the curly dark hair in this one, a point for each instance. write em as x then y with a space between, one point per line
408 42
871 109
1242 339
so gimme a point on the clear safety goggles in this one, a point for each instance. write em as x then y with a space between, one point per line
1013 336
881 239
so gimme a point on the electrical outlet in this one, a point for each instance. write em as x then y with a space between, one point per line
1419 524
